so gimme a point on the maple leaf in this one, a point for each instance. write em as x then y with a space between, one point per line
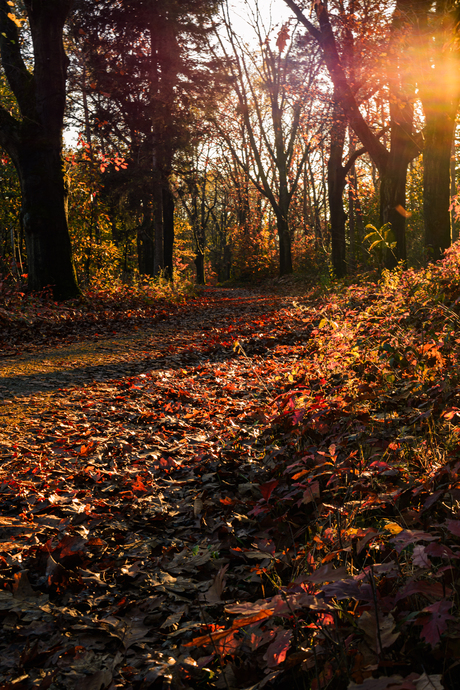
420 558
454 527
436 624
267 489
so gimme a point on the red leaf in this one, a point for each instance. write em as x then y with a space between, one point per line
454 527
437 623
138 485
282 38
328 574
407 537
277 650
267 489
425 587
228 645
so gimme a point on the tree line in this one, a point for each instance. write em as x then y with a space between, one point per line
200 146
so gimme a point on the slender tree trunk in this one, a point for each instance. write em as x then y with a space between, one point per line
158 261
453 190
439 132
168 235
145 245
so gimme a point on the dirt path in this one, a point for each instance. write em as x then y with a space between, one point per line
116 489
149 347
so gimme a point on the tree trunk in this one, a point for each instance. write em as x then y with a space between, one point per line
199 263
284 243
336 185
439 132
453 191
168 231
35 142
393 177
392 195
44 219
145 245
158 262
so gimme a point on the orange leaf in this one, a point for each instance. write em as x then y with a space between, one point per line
14 19
209 638
249 620
213 637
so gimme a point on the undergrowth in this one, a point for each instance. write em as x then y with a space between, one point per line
360 512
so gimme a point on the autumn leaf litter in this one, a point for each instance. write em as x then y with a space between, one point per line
276 505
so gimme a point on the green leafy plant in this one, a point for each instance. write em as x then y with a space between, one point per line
381 241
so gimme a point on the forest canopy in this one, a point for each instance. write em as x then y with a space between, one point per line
211 142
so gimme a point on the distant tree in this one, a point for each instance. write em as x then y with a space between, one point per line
32 137
270 108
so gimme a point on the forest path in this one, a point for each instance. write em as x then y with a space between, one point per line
184 336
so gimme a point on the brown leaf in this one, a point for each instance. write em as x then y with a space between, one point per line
97 681
21 586
328 574
214 593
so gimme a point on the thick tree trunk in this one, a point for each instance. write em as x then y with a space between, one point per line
35 141
44 219
392 196
393 177
168 231
439 132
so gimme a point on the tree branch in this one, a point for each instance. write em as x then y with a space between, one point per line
326 40
19 78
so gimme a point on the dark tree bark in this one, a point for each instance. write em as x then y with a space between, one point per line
199 264
439 132
284 237
168 231
34 141
145 245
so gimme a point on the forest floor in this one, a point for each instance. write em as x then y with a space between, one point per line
244 490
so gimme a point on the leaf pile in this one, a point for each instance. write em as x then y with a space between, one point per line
275 505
